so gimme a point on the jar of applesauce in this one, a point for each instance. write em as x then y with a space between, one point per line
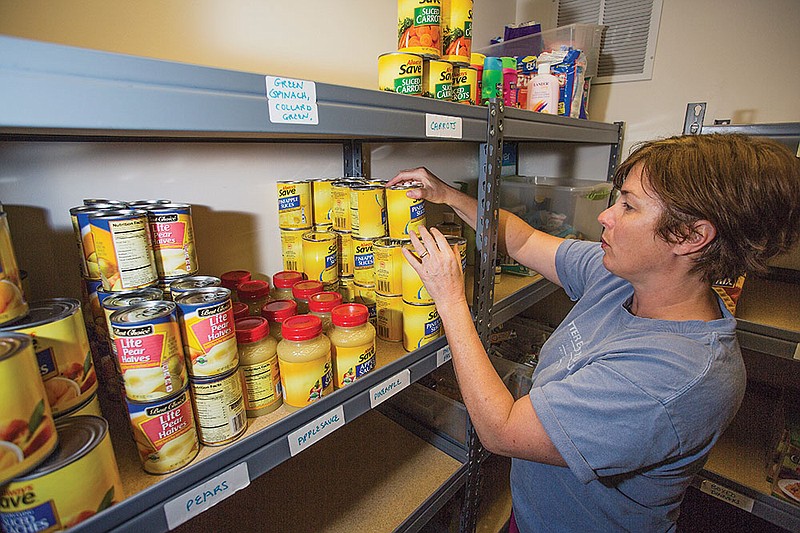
254 293
276 312
258 361
282 284
304 356
321 304
352 343
302 291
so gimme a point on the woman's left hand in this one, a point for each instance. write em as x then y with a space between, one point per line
438 265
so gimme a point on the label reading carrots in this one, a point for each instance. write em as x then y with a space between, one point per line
418 27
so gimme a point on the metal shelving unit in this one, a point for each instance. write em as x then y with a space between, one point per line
53 92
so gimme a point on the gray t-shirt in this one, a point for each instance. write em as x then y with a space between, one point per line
633 405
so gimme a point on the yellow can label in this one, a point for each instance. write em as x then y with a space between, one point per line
457 31
437 80
91 407
346 264
262 382
419 27
352 362
321 256
294 204
12 298
389 266
368 211
347 288
220 409
400 73
340 206
389 320
292 248
209 338
306 382
414 290
452 240
365 295
465 85
27 430
404 214
364 261
124 252
65 497
173 243
421 325
321 193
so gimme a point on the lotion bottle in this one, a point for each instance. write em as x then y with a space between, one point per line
543 91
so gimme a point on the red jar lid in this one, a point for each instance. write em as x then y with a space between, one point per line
253 289
232 278
301 327
240 310
349 315
279 310
286 278
251 329
324 302
304 289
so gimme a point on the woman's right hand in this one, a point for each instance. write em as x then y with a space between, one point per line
433 189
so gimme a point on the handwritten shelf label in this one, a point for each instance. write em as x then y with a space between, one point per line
727 495
203 497
443 355
385 390
315 430
292 101
443 126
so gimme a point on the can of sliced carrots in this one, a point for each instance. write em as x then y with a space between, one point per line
457 31
419 27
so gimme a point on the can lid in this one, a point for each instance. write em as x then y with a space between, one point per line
11 343
251 329
240 310
304 289
279 310
253 289
232 278
301 327
45 311
324 302
194 282
286 278
349 315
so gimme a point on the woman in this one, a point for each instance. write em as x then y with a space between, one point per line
641 378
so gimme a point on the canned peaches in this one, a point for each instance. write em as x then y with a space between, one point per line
418 27
421 325
206 319
27 431
12 298
173 239
124 249
292 248
437 79
368 211
404 214
294 204
320 256
457 31
400 73
79 480
389 266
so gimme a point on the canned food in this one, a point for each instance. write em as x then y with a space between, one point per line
79 480
321 194
414 290
219 404
457 31
83 236
304 359
437 79
400 73
97 332
465 85
206 319
62 351
149 350
165 433
163 284
173 239
320 256
190 283
364 262
116 204
12 298
389 266
27 431
368 211
90 407
419 27
404 214
347 289
340 202
365 295
124 249
452 240
389 317
292 248
114 301
147 203
421 325
294 204
346 263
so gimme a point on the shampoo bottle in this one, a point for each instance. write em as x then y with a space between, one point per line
543 91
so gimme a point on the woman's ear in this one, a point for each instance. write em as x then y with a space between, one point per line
703 233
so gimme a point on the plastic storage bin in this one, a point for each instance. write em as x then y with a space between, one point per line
560 206
584 37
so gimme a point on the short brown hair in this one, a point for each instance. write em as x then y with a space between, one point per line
747 187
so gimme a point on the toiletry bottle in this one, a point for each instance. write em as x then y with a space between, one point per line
543 91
